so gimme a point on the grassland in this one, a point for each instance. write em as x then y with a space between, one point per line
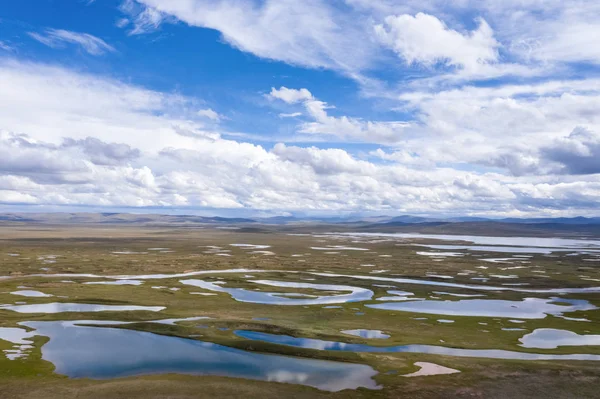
27 250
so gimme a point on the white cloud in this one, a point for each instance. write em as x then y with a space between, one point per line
343 127
290 96
578 153
110 143
290 115
403 157
57 38
530 38
122 22
91 106
210 114
536 37
5 46
313 34
142 19
503 126
568 43
554 31
425 39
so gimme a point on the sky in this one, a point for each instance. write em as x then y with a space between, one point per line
317 107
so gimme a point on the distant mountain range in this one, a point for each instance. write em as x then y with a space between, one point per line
130 218
573 220
117 218
577 227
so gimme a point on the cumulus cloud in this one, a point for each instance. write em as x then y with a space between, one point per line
459 148
510 38
58 38
102 153
290 96
343 127
91 106
324 162
41 162
504 126
425 39
229 174
550 31
578 153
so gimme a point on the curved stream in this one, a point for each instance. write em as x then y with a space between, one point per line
319 344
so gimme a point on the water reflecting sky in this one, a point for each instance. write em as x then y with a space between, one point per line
100 352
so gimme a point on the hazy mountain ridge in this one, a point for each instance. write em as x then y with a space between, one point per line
382 221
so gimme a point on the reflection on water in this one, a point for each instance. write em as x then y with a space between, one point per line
57 307
504 287
99 352
491 248
545 242
548 338
430 349
20 340
370 334
116 282
529 308
464 286
31 293
274 298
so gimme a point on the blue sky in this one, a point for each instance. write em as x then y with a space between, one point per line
284 107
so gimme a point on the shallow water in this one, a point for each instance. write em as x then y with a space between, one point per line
20 339
338 248
142 276
58 307
172 322
491 248
116 282
464 286
250 246
430 369
273 298
269 253
505 287
546 242
31 293
529 308
548 338
457 295
369 334
440 254
100 352
442 276
318 344
399 298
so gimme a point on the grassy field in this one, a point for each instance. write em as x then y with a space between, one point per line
124 250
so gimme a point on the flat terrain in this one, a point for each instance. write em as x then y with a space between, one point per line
31 257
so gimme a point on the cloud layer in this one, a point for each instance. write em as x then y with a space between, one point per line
155 165
475 107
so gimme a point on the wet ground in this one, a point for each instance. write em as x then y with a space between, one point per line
333 312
